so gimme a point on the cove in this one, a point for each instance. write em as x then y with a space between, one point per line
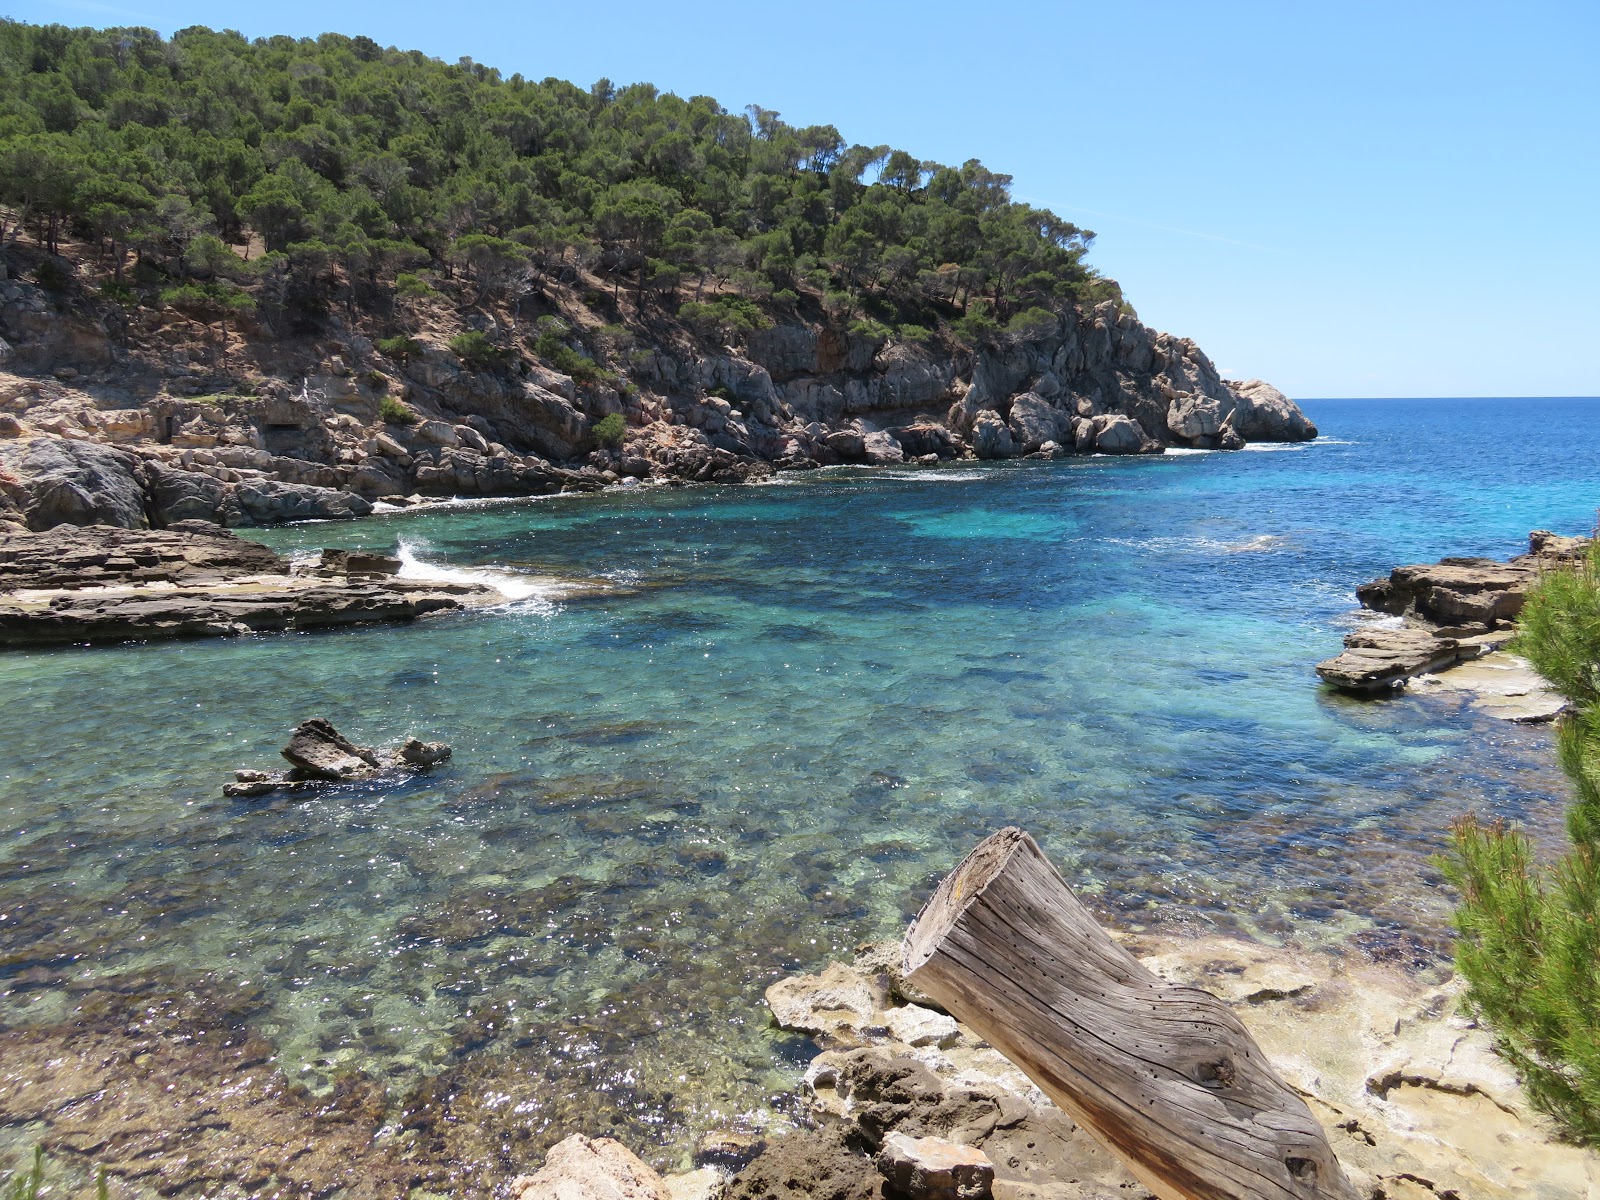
800 705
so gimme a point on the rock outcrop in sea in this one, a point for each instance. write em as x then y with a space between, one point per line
1453 619
103 583
98 428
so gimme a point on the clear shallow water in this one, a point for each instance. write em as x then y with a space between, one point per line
802 705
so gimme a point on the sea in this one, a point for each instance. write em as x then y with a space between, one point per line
788 712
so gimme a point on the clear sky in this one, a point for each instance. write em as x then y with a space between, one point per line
1347 199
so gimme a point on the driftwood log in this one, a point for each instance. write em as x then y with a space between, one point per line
1165 1076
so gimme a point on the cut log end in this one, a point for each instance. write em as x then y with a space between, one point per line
1166 1077
958 890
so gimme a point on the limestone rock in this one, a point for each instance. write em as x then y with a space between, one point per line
580 1168
809 1165
839 1002
1033 422
991 437
917 1026
882 449
703 1183
178 495
1376 659
1264 414
98 556
322 752
418 753
1117 434
931 1168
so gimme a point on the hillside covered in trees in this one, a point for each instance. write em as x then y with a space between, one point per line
355 166
610 278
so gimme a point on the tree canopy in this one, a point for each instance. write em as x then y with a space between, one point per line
352 164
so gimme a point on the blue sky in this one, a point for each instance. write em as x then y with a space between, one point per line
1352 199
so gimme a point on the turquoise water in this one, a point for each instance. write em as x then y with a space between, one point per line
797 706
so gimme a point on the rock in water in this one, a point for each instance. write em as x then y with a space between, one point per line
322 752
930 1168
580 1168
1377 659
423 754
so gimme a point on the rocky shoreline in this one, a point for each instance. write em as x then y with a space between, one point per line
903 1101
102 584
97 428
1448 625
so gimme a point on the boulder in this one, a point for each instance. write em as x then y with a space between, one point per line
991 437
1264 414
882 449
580 1168
840 1002
1033 422
918 1026
848 444
320 751
1117 434
272 502
1193 417
60 481
417 753
930 1168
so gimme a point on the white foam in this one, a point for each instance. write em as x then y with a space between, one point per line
934 476
510 584
1181 450
1275 445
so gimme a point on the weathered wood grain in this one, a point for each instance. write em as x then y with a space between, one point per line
1165 1076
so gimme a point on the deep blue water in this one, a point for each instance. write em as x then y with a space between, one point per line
798 707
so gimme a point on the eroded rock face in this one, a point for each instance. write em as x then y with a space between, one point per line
273 502
103 584
66 482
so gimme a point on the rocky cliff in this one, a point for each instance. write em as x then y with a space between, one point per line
142 417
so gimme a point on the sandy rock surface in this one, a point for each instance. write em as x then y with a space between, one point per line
1413 1097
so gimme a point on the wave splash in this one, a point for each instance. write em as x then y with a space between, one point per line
510 584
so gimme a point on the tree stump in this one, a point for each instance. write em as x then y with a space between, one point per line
1166 1077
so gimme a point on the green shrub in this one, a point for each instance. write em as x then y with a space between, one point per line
609 430
396 412
477 351
413 286
977 324
400 347
1032 324
914 333
723 316
876 331
1530 935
